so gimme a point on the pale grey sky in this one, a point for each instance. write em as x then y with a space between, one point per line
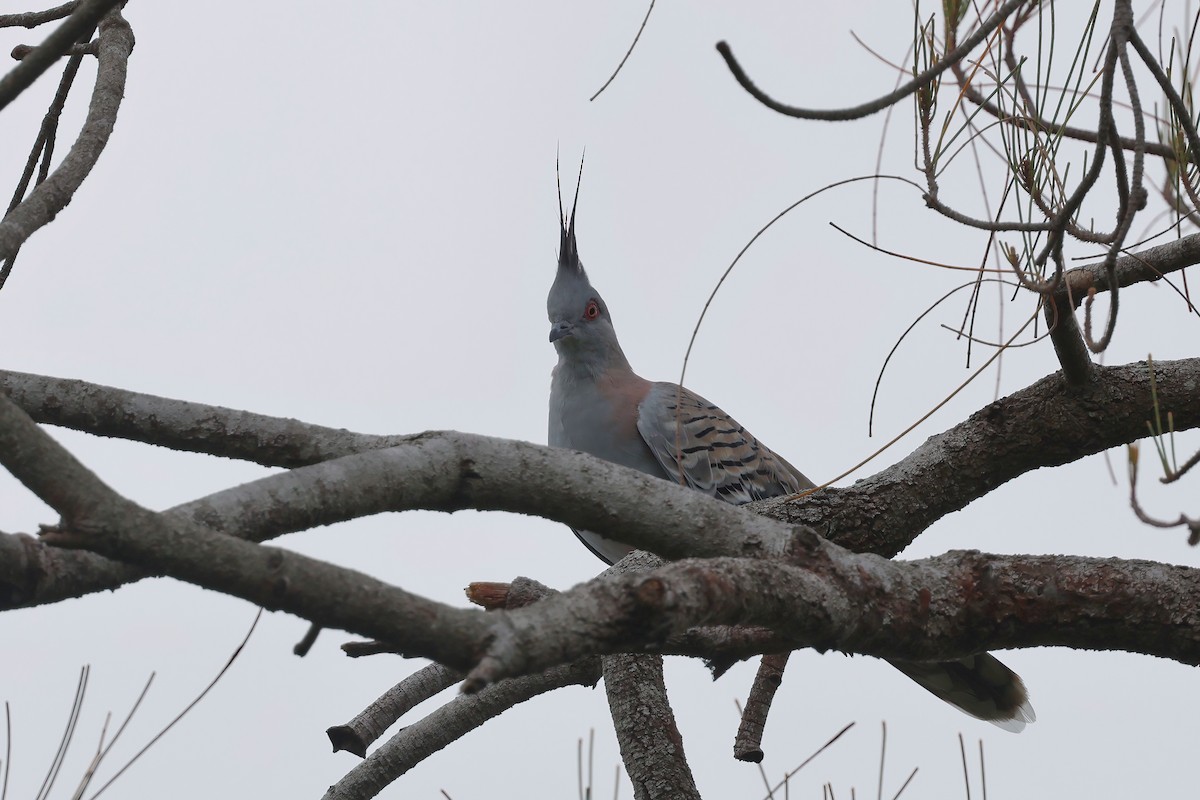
347 215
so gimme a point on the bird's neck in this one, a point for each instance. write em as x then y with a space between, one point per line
590 365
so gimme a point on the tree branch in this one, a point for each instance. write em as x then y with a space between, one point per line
651 745
1147 265
649 738
96 517
747 745
51 196
413 744
450 471
937 609
365 729
183 425
879 104
31 19
1046 424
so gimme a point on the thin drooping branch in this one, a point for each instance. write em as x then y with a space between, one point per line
1131 192
879 104
52 195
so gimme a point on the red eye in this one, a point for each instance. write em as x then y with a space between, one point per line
592 311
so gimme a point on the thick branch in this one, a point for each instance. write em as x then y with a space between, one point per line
649 738
651 745
96 517
1046 424
449 471
445 471
937 609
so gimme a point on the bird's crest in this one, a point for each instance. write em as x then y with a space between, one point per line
568 250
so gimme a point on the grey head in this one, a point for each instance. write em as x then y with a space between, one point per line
580 326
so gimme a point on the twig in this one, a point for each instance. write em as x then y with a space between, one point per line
85 16
628 53
747 745
31 19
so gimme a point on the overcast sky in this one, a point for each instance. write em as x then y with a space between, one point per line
347 215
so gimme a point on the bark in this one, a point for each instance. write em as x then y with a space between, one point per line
651 745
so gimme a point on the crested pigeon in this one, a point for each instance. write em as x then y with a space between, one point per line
599 405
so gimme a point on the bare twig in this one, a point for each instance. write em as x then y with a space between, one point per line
158 736
85 16
21 51
53 194
31 19
628 52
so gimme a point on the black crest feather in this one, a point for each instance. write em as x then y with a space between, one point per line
568 250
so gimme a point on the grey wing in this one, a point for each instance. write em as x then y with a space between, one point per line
701 446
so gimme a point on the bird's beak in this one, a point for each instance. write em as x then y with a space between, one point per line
560 329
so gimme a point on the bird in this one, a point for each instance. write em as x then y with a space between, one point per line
600 406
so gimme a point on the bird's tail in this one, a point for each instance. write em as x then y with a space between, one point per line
980 685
